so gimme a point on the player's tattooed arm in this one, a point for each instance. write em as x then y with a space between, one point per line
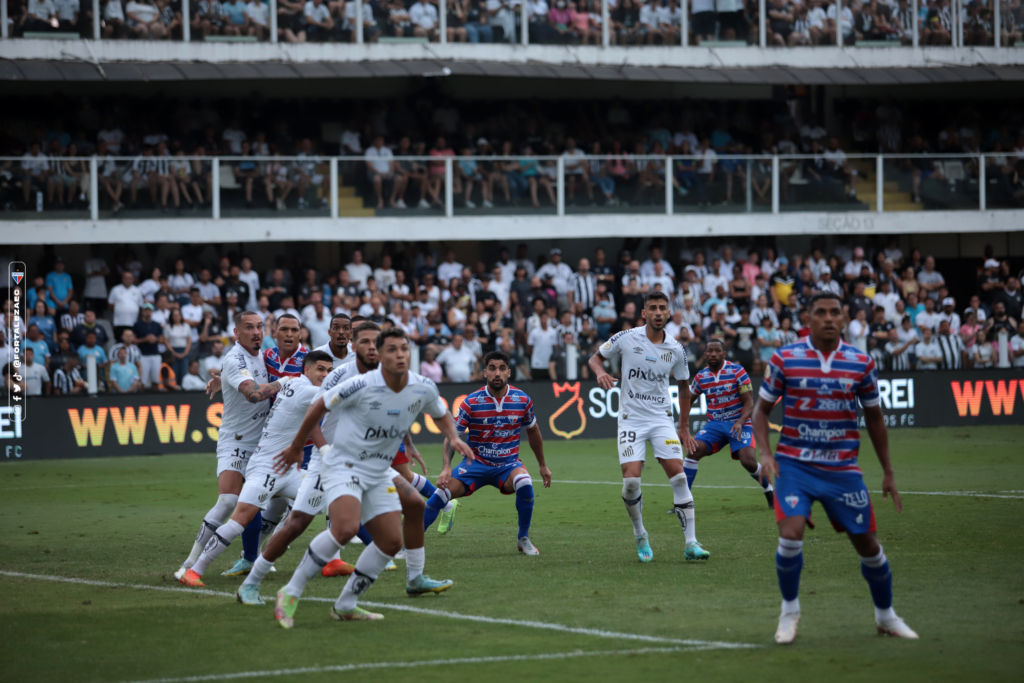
769 468
874 422
537 446
596 363
257 393
685 400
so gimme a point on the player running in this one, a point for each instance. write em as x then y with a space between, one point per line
262 484
494 416
649 358
375 412
819 380
246 389
727 389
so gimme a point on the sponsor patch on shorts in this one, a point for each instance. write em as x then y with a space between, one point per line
672 442
392 489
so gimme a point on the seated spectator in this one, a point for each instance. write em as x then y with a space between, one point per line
424 18
478 27
456 22
236 23
844 21
192 381
780 23
41 16
290 23
144 20
430 368
35 171
37 379
67 380
319 28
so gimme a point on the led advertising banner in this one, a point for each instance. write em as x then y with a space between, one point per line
154 424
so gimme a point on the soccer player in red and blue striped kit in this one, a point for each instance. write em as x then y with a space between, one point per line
819 380
730 401
494 417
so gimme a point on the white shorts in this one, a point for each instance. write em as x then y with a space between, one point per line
262 484
376 497
310 498
633 434
233 456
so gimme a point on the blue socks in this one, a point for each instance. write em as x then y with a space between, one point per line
251 538
423 485
690 469
524 504
364 535
876 571
789 561
438 499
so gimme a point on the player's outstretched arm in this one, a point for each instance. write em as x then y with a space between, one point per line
605 380
447 427
213 386
769 468
257 393
874 422
414 453
292 455
747 397
446 465
537 446
685 400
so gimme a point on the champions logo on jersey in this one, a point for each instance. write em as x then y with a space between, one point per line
494 428
820 394
722 391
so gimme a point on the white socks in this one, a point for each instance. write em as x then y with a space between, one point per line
368 567
217 544
260 568
682 501
634 501
272 516
791 606
218 514
415 560
320 549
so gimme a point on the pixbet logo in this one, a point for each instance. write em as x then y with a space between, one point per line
382 433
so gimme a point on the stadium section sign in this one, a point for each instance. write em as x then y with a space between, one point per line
154 424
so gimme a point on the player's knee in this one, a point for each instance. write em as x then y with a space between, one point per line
343 532
413 505
390 546
631 488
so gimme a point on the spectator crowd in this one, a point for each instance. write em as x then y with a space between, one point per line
577 22
165 329
151 155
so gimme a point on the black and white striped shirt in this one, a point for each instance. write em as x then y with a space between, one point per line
577 323
69 322
897 362
134 354
584 289
64 381
952 348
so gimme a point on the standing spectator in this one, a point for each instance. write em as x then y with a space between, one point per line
928 351
583 286
952 347
181 282
306 173
429 367
126 301
559 272
133 354
73 318
252 280
37 379
857 330
768 339
124 376
177 336
930 280
576 168
192 381
35 169
897 352
67 379
1017 347
45 323
983 352
358 271
458 360
380 168
148 333
1011 298
91 348
540 344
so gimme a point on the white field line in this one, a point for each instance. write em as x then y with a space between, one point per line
156 482
965 494
341 668
598 633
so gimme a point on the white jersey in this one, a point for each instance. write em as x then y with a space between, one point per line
374 420
285 418
242 421
329 425
350 357
646 371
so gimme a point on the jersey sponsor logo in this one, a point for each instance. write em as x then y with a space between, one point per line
373 456
649 375
820 455
375 405
381 432
356 386
856 499
823 432
650 359
646 397
638 350
394 412
392 489
792 500
672 442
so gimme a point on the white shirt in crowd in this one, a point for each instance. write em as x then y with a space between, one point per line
359 273
447 271
1017 344
543 343
559 273
192 313
458 363
95 286
380 160
127 302
252 281
423 15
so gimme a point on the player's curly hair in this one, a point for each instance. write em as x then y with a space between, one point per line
365 326
392 333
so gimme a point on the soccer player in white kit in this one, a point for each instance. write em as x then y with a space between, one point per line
376 411
650 358
338 347
262 483
246 391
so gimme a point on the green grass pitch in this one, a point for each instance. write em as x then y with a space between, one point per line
958 565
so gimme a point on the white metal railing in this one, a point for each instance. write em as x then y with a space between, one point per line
962 180
958 11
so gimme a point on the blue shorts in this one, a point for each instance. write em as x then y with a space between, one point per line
307 453
843 495
716 433
474 475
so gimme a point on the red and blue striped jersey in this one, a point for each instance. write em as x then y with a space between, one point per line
288 367
722 391
819 395
494 426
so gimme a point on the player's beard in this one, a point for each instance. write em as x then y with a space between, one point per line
500 381
369 365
